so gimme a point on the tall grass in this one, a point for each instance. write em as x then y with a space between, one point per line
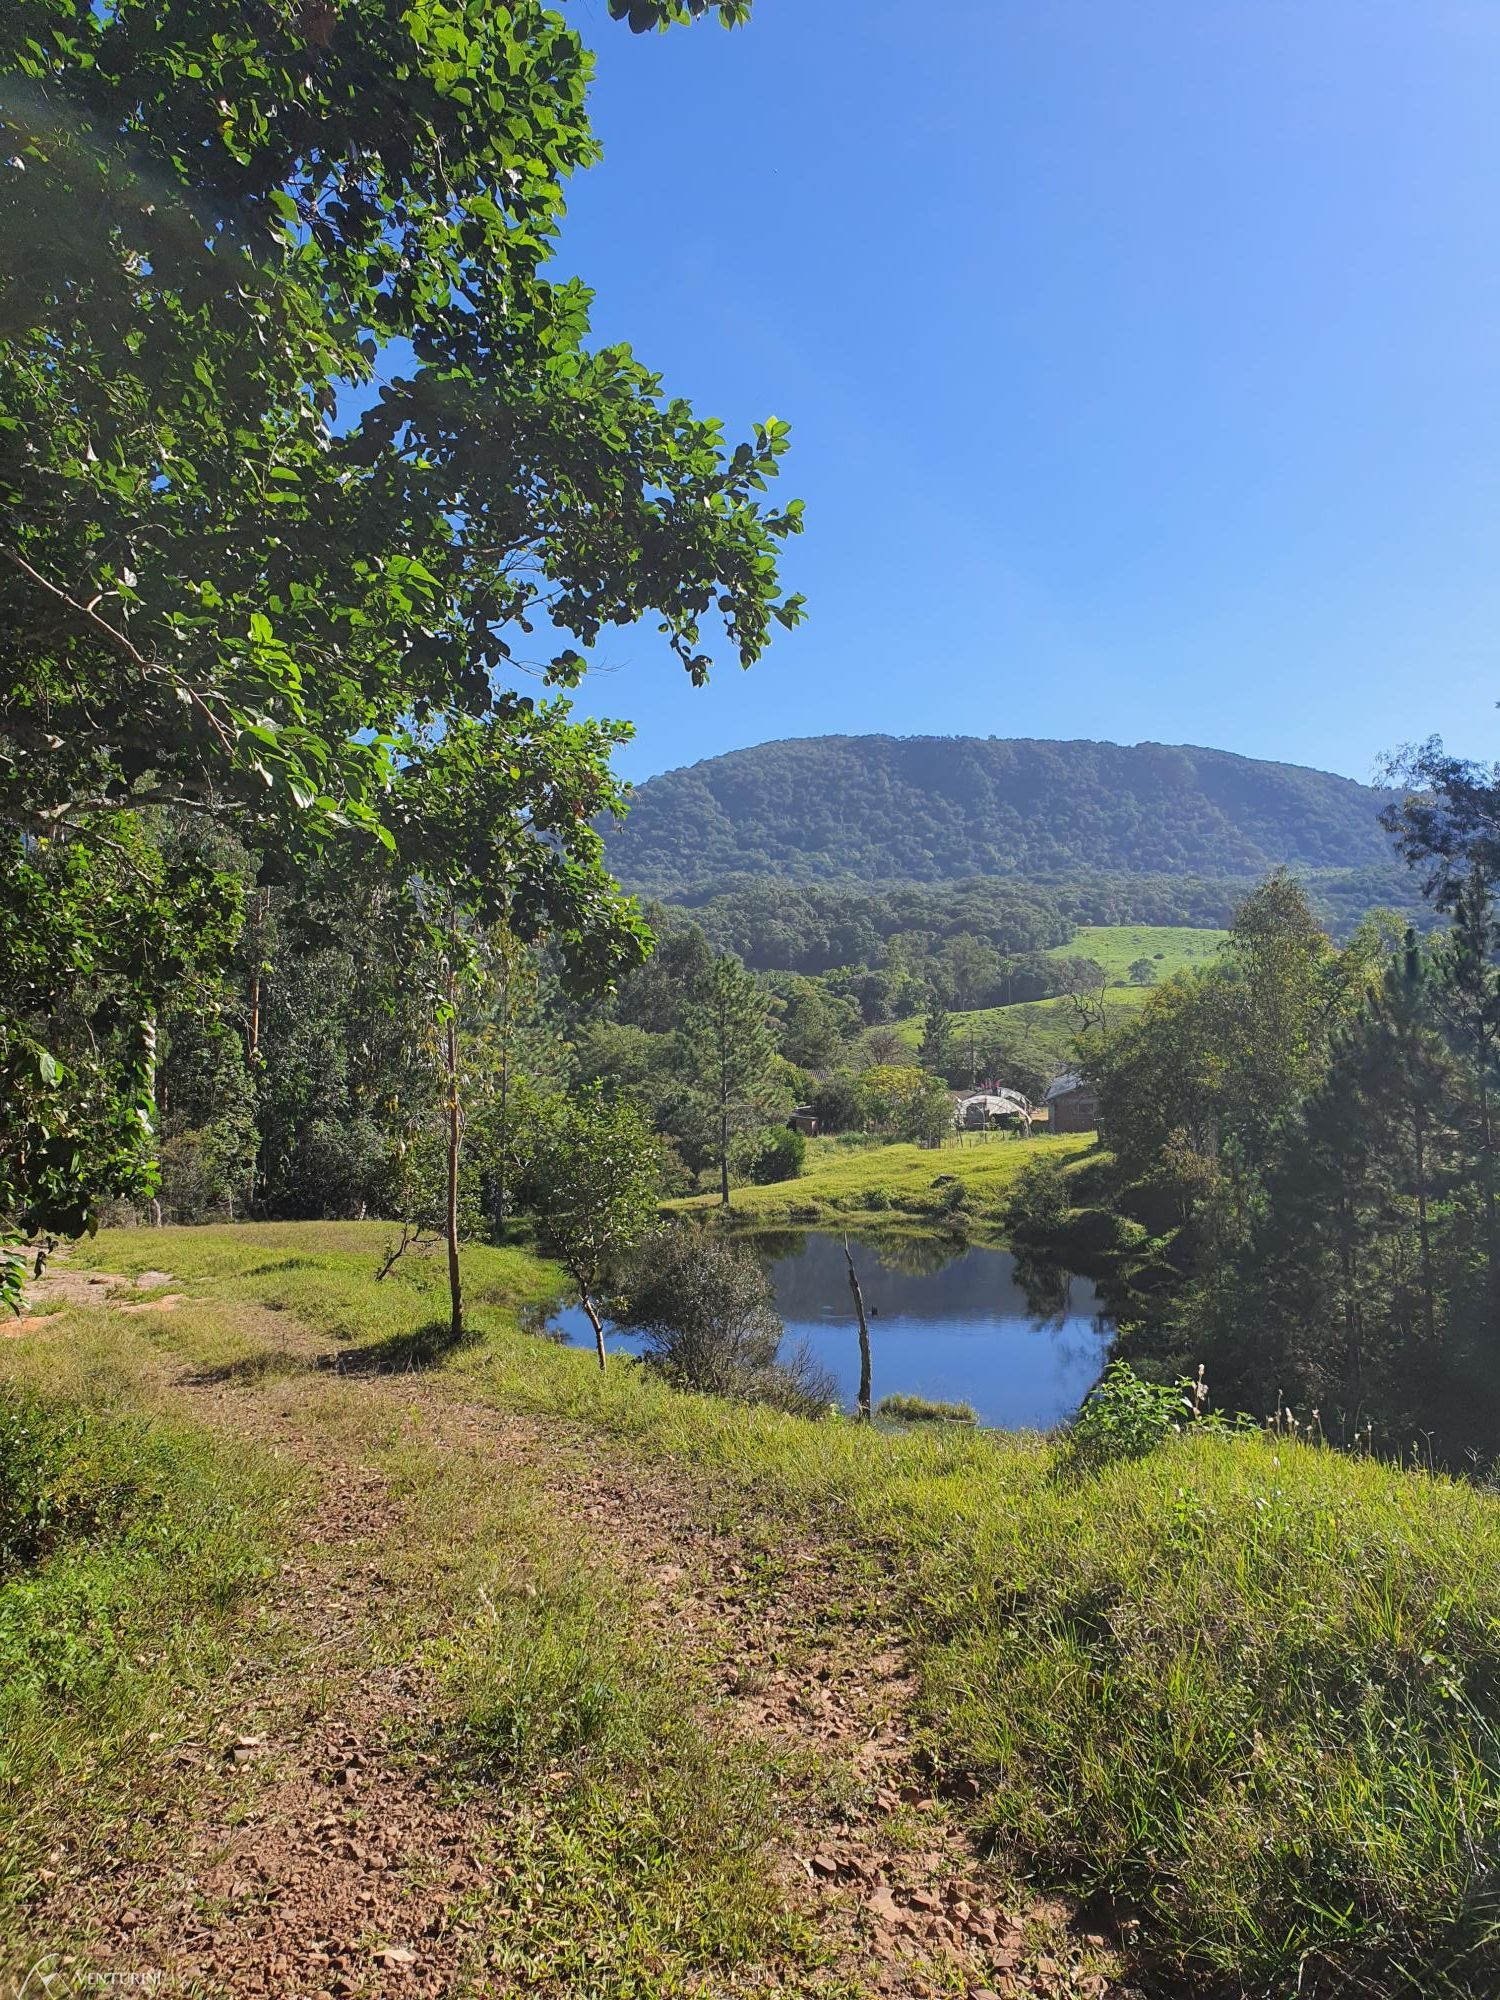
127 1542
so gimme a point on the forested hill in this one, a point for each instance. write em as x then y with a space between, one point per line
943 808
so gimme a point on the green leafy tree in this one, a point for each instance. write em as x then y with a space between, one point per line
903 1102
94 944
513 1052
1467 991
591 1180
1356 1253
935 1051
816 1025
729 1050
217 594
971 971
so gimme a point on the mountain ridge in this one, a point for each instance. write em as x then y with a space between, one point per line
929 808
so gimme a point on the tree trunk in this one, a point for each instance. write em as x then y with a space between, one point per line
862 1405
502 1183
1424 1232
1487 1143
596 1323
1353 1324
455 1289
252 1035
723 1155
258 935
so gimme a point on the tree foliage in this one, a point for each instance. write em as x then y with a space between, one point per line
925 809
727 1035
591 1179
310 476
1307 1135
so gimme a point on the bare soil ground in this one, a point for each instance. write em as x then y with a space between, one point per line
313 1839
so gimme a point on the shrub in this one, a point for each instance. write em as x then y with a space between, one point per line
838 1105
708 1315
779 1156
953 1197
1038 1203
1125 1417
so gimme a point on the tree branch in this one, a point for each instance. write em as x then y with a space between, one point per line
122 642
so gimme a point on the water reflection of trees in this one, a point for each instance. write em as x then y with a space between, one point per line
1044 1286
911 1255
774 1246
916 1256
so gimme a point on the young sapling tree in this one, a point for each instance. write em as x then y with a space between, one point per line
592 1179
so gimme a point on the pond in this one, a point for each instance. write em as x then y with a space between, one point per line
947 1321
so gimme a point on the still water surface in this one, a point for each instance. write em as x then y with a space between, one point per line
946 1320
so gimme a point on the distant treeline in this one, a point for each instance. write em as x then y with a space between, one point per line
815 927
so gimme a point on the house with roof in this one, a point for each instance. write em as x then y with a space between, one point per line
1072 1104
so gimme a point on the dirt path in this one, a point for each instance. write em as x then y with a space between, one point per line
318 1849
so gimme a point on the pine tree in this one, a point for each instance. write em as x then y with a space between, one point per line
727 1040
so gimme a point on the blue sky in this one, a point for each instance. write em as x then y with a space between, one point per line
1142 360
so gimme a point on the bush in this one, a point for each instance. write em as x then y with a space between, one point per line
779 1156
1125 1417
953 1197
838 1105
708 1315
1039 1200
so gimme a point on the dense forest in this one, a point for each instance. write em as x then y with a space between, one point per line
816 926
1312 1127
940 809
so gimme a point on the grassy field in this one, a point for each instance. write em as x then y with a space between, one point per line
852 1184
1045 1028
1247 1686
1171 948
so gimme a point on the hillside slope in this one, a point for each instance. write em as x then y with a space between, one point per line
325 1671
934 808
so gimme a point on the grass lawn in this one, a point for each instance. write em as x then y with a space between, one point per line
850 1183
1248 1686
1170 947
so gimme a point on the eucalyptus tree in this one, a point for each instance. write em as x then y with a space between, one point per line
313 490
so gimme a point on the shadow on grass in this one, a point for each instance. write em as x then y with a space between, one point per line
262 1366
395 1354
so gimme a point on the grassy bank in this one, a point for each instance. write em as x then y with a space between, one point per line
1249 1687
849 1184
129 1543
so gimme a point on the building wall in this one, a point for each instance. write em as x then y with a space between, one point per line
1078 1111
